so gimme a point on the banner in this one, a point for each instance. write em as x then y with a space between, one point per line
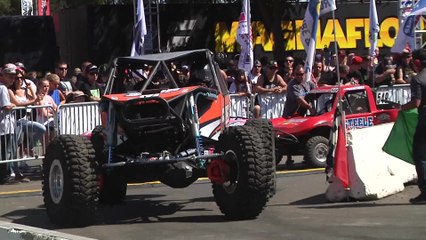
405 37
374 28
139 30
244 38
43 7
308 32
26 7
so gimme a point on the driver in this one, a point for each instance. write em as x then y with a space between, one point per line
295 103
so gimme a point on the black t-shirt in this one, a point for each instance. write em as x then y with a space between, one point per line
418 91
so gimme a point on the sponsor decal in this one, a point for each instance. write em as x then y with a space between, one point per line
359 122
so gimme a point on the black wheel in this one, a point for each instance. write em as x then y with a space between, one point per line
248 188
316 151
267 135
113 187
70 183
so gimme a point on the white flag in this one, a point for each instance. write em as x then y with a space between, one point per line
139 30
407 28
26 7
309 30
310 15
374 28
244 36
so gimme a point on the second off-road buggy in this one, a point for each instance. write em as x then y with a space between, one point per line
161 122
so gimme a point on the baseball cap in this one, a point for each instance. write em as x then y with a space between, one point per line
357 60
20 65
257 63
273 64
9 68
91 68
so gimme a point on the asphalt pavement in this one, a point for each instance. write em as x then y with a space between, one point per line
299 210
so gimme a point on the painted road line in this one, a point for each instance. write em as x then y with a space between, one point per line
281 172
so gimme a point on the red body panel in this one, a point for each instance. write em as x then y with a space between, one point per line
300 125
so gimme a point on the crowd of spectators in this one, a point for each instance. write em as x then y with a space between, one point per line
273 77
19 88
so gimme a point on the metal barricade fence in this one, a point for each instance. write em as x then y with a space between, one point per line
271 105
25 133
241 106
397 93
78 118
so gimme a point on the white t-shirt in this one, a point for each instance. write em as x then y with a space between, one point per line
7 118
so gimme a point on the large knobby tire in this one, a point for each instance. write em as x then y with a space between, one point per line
70 182
114 185
267 135
246 192
316 151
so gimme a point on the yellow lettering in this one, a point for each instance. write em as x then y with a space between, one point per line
384 37
328 35
357 31
352 31
287 27
262 37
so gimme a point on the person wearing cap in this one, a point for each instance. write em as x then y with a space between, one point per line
405 68
82 78
418 100
355 76
91 87
7 123
271 81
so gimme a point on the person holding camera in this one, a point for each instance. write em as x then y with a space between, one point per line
385 72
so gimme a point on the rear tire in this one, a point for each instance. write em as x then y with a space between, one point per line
248 188
316 151
70 183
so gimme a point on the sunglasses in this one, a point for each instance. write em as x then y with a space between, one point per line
299 74
290 60
258 66
63 69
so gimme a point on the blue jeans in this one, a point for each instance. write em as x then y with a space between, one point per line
34 130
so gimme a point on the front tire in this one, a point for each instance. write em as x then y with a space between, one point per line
248 188
265 130
70 183
316 151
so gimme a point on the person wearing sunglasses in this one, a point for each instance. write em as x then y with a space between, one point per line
287 71
295 104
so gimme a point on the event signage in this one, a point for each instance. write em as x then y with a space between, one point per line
354 35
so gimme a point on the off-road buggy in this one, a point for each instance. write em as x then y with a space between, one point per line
162 124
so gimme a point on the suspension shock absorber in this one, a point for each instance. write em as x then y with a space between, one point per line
195 129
